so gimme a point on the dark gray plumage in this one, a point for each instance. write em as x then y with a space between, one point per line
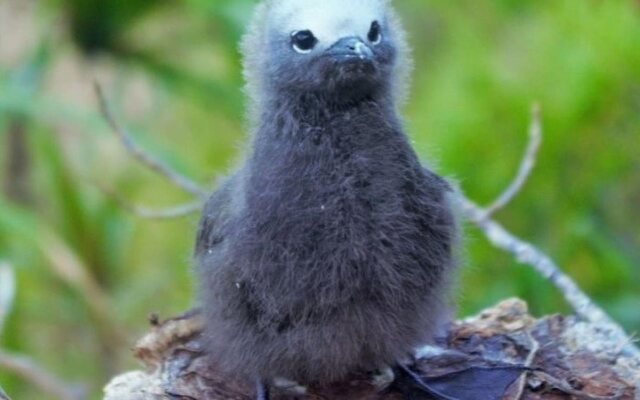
330 249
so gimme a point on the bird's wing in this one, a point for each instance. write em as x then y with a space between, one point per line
214 217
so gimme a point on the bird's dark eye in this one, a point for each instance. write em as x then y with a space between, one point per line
375 33
303 41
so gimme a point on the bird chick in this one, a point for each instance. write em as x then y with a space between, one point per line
330 250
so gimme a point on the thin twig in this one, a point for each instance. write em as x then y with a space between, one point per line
526 166
175 212
527 253
3 395
522 383
7 292
43 380
566 388
139 154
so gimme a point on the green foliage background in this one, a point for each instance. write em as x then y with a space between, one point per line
172 71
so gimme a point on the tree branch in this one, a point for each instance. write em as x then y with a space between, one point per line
528 254
568 358
139 154
179 211
526 166
7 292
533 352
175 212
20 365
3 395
43 380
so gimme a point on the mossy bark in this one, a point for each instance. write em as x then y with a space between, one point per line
569 359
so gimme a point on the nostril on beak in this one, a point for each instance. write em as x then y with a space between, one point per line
351 47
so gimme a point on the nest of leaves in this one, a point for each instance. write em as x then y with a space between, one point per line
565 357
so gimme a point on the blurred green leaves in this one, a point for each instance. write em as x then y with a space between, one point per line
173 72
99 26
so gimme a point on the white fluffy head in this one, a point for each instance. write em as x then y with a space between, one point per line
329 20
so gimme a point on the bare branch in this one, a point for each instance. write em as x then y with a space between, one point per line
528 254
493 337
535 348
179 211
43 380
3 395
526 166
7 292
139 154
566 387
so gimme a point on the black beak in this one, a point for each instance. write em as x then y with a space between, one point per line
350 49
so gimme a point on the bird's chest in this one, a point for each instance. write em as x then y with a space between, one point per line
340 195
335 220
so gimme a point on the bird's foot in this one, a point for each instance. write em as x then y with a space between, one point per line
262 390
431 351
289 387
382 378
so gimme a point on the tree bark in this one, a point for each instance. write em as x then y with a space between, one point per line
569 359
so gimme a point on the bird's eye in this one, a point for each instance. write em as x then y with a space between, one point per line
375 33
303 41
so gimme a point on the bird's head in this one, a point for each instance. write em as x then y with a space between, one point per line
340 50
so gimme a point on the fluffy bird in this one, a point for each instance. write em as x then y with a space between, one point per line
331 248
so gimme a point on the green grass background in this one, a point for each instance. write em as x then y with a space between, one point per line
172 71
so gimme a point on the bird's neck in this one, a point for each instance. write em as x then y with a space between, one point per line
297 118
294 139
